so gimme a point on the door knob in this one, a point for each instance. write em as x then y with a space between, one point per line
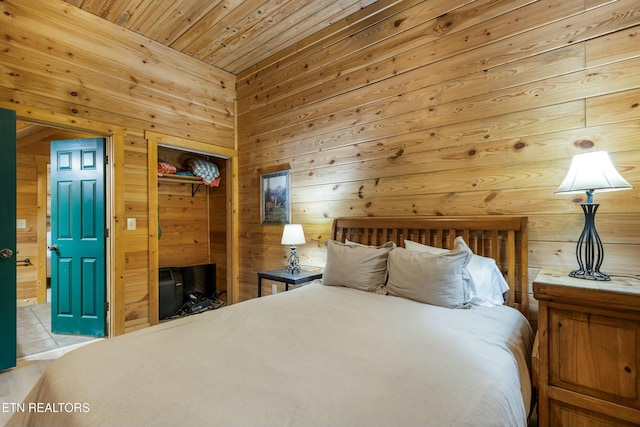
6 253
53 248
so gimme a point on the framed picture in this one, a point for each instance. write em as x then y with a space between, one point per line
275 193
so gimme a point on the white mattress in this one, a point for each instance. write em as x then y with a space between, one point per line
314 356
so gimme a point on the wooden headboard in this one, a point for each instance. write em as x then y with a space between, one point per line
503 238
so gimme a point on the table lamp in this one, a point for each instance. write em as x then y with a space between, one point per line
293 235
591 172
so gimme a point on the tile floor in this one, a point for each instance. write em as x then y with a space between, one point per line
34 331
37 347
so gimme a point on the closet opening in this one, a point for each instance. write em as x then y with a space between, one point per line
192 206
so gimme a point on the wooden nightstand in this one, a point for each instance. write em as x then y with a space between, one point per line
589 351
287 278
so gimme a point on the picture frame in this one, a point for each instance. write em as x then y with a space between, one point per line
275 198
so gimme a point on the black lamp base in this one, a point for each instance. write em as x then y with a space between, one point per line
293 263
589 275
589 251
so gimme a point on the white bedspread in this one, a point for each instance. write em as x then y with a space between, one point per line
315 356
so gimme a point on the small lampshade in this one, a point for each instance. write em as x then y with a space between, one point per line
592 171
293 235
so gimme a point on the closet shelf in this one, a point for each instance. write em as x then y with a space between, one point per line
183 179
180 178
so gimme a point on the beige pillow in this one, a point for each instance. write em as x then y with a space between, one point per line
356 266
438 279
488 284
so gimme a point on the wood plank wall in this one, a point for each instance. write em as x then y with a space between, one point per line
81 70
30 157
450 107
183 217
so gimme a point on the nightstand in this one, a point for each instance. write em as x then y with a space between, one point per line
283 276
589 351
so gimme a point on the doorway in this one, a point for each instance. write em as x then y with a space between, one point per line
33 260
221 223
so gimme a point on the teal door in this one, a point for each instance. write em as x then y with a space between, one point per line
7 239
78 237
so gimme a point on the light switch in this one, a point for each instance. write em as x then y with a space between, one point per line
21 223
131 223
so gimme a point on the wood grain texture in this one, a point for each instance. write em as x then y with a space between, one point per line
463 108
84 66
402 108
589 350
502 238
65 67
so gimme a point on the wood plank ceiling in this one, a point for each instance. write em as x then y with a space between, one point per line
230 34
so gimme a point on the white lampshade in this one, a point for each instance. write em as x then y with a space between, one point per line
592 171
293 235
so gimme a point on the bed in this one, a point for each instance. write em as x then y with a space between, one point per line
325 354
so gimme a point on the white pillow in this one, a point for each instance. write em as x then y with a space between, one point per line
489 284
357 266
437 279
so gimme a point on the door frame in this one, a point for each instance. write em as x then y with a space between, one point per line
154 140
114 200
115 203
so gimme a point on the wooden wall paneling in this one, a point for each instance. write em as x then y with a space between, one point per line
77 99
615 107
68 68
618 259
233 231
481 64
305 73
345 74
27 209
217 228
419 25
501 202
28 79
42 163
482 58
400 179
465 141
569 87
138 299
68 22
148 76
154 228
476 129
561 61
614 228
117 244
184 224
613 47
